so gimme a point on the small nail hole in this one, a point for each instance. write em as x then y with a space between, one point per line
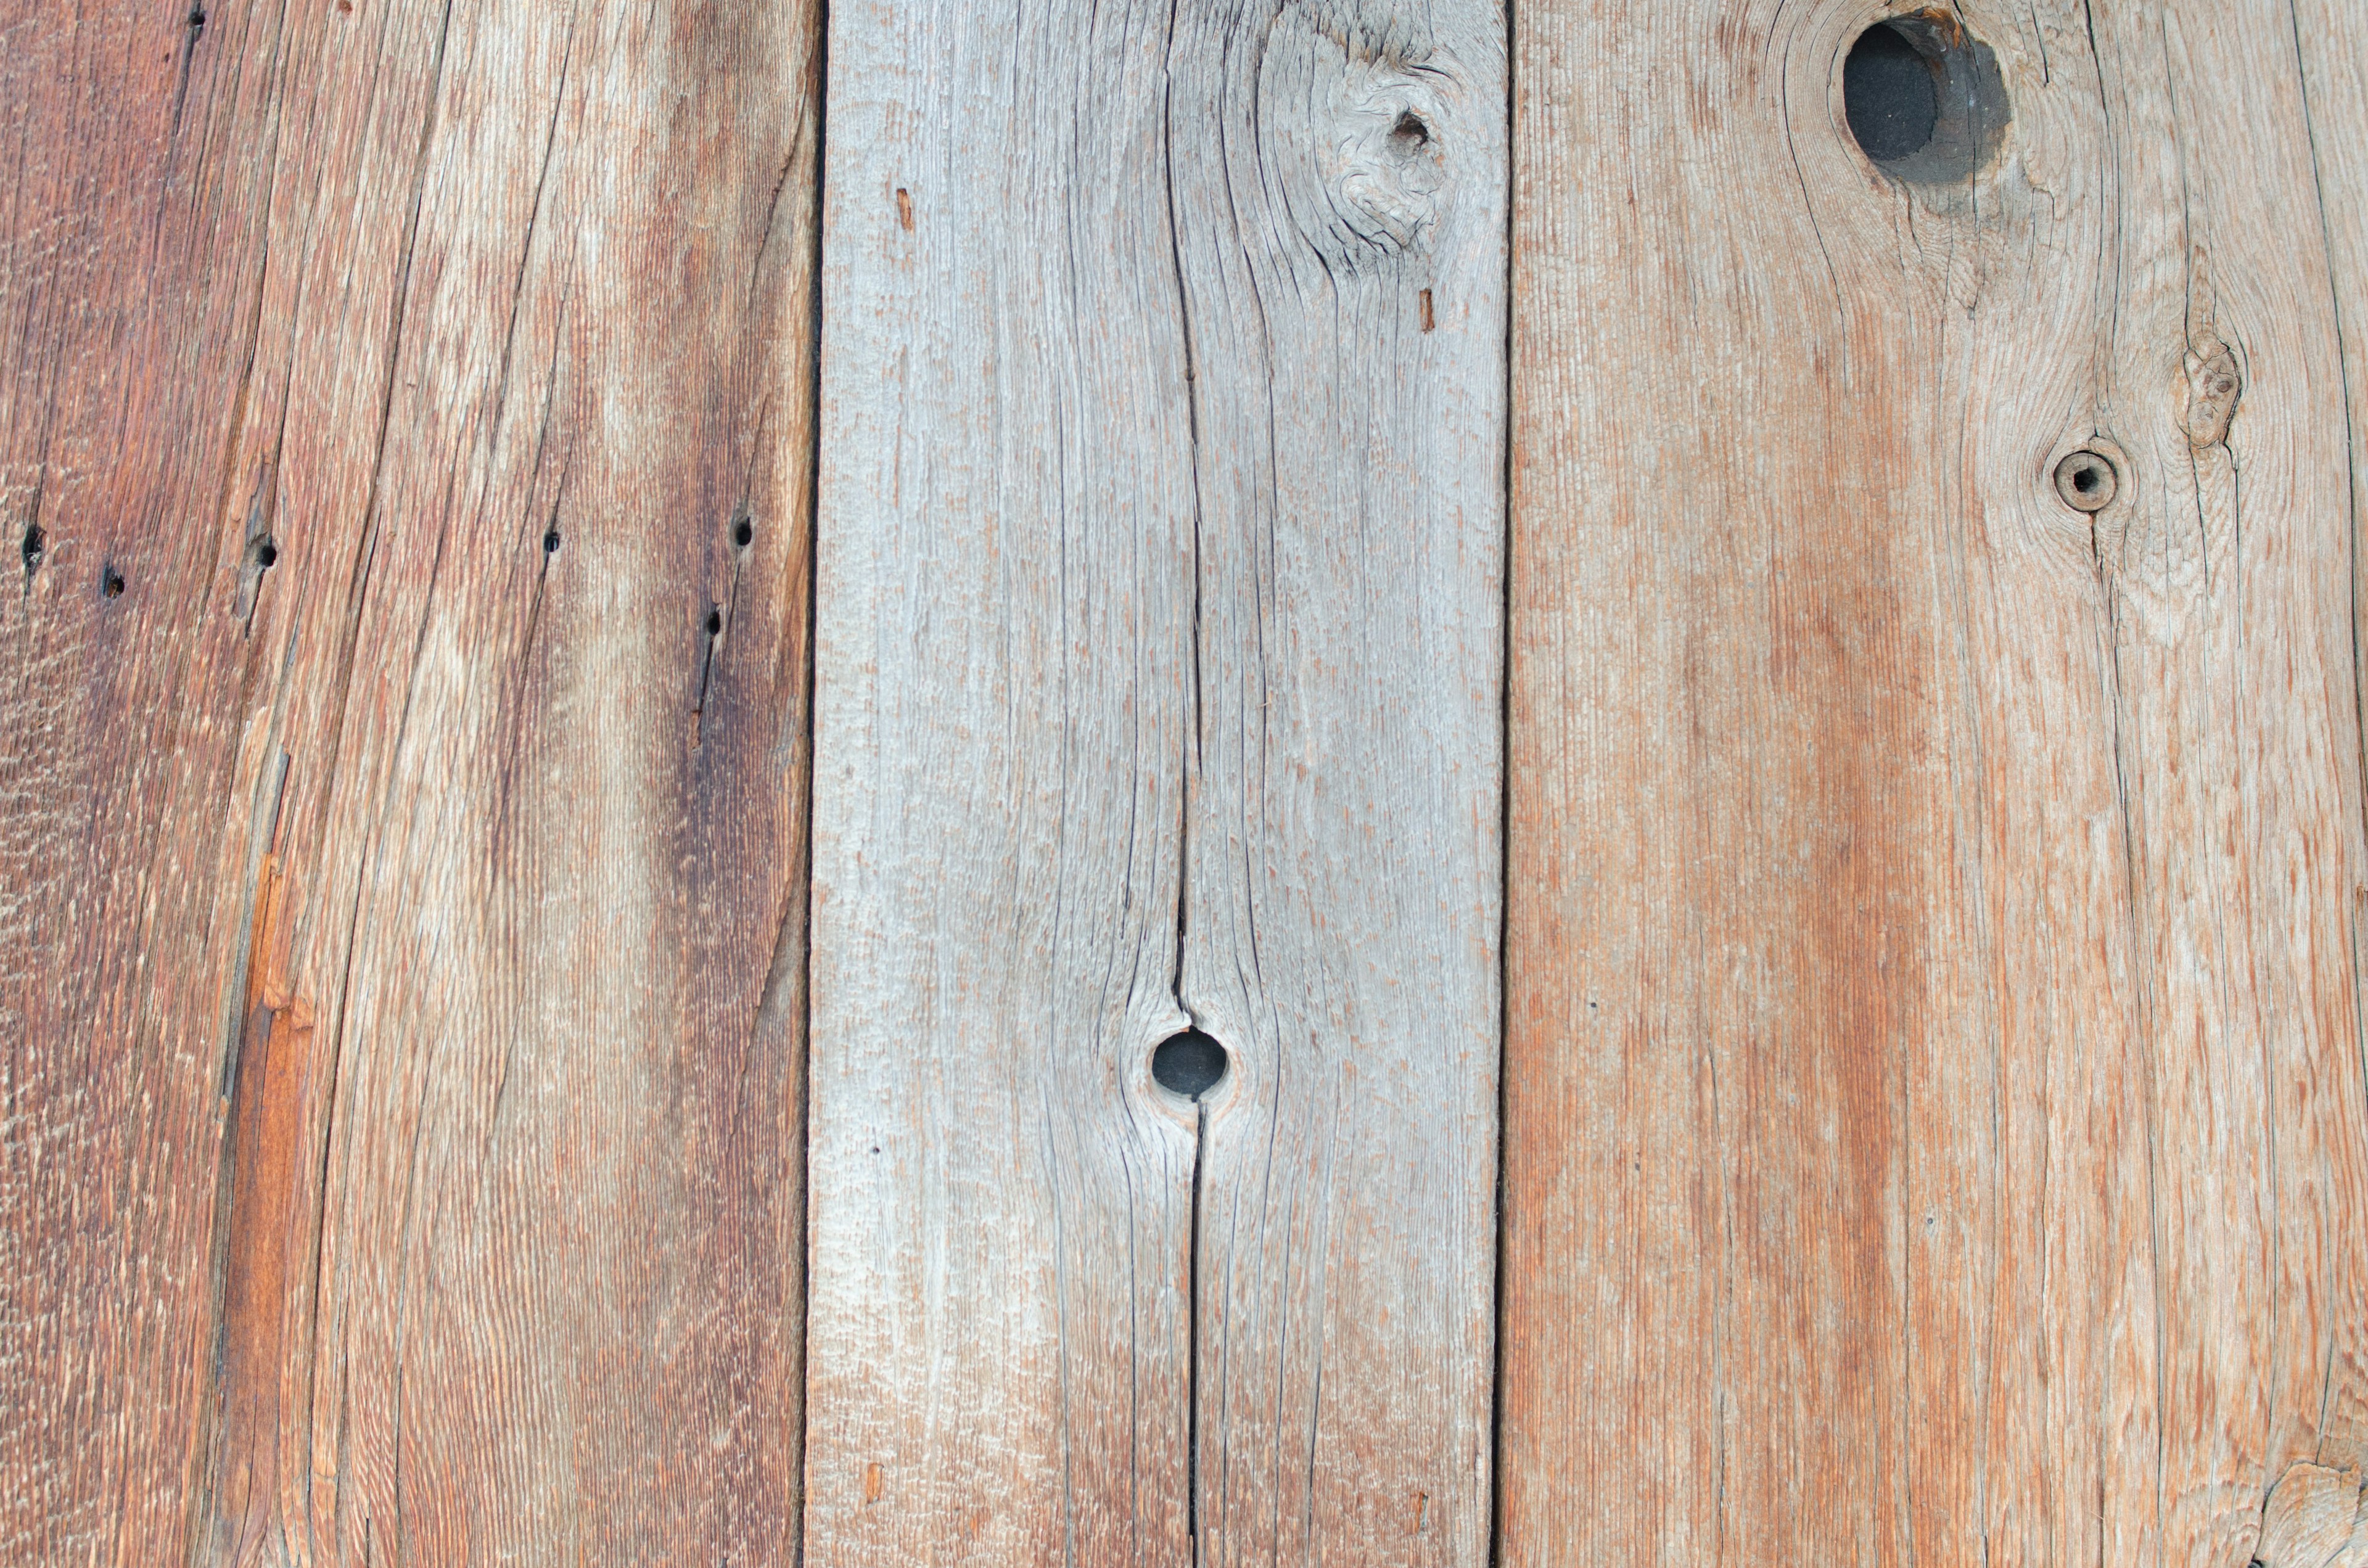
742 532
110 582
197 18
35 542
266 554
551 543
714 621
1190 1065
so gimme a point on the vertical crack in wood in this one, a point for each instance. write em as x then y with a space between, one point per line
1193 1338
1496 1491
1187 772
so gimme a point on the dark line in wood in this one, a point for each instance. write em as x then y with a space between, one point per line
1190 750
1192 1339
801 893
1504 830
525 247
192 28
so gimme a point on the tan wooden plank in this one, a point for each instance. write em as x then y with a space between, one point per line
2334 57
1157 682
407 945
1935 1110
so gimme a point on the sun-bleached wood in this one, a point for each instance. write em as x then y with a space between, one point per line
404 901
1159 587
1935 1105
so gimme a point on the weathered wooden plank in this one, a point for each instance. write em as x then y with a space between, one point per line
1157 682
406 942
2333 53
1935 1115
118 381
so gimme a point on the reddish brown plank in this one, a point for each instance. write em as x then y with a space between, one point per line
405 858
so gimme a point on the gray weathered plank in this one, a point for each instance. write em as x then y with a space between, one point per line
1159 624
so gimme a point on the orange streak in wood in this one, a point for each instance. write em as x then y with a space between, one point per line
267 1100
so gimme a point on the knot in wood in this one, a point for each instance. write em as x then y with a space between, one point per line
2086 480
1385 164
2213 385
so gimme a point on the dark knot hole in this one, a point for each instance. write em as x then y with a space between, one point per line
1190 1064
1924 99
1890 94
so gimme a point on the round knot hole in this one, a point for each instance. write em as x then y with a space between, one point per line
2086 480
1924 98
1189 1064
1891 94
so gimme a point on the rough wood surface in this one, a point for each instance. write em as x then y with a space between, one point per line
1935 1112
402 770
1157 680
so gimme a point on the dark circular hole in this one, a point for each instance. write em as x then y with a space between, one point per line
1189 1063
551 543
1889 95
34 544
742 531
714 622
110 582
2086 480
197 18
267 555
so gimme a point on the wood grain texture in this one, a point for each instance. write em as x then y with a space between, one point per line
405 780
1159 622
1935 1105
